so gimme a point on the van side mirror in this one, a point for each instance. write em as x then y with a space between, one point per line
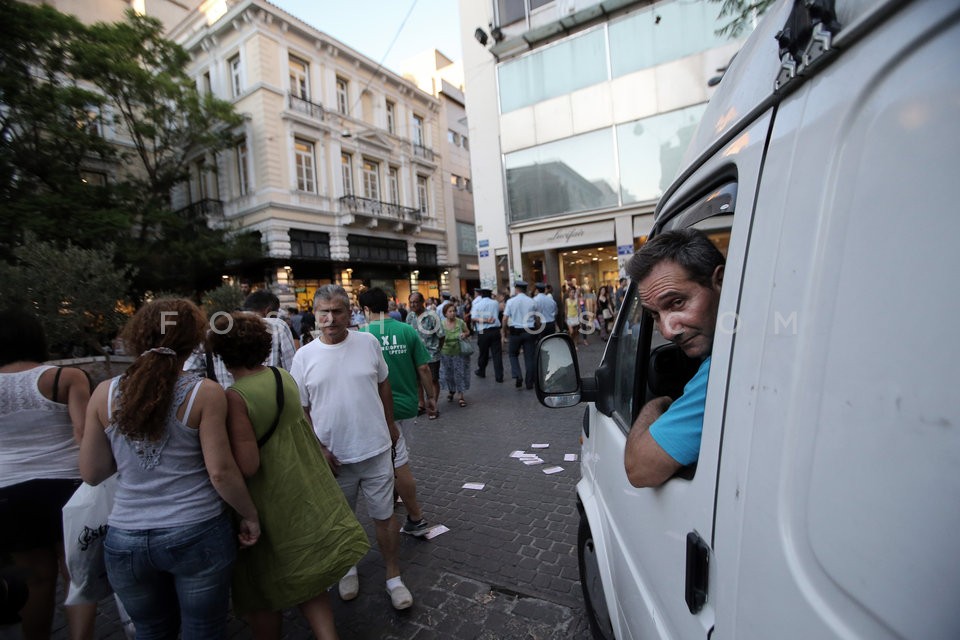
558 372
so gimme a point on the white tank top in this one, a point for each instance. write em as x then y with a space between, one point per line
36 435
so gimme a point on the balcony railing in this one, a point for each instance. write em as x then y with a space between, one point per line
205 209
379 209
421 151
302 105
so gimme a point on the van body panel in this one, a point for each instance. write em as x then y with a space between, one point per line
834 509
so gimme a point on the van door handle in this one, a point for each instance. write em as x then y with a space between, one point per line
698 572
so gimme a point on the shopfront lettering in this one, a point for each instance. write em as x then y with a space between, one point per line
566 234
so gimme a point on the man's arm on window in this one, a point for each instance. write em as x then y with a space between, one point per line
646 463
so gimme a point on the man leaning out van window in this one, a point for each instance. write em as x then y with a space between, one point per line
678 275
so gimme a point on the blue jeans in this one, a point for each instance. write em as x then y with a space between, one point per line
174 576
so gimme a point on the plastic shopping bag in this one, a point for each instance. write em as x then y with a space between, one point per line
84 526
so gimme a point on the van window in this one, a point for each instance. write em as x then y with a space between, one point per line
636 337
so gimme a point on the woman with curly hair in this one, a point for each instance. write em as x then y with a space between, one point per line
170 546
303 512
41 421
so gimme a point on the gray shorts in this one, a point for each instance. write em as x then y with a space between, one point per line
373 476
403 454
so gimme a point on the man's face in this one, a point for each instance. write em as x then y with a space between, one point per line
333 318
685 311
416 304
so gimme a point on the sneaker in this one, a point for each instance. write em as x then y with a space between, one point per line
349 586
401 597
415 528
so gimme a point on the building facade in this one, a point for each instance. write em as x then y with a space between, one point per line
580 112
443 78
336 167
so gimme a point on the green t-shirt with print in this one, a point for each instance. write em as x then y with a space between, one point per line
404 352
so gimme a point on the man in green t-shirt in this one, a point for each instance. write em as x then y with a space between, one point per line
407 360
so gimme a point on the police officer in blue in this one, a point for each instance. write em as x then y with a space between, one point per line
546 306
519 317
484 313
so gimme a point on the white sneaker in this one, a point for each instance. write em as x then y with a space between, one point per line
401 597
349 586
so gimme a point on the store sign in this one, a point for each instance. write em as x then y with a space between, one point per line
484 244
594 233
484 254
625 250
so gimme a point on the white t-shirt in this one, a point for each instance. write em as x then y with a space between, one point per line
340 384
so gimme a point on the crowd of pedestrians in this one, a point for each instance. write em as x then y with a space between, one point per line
241 443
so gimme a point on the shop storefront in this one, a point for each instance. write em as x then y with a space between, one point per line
584 254
387 263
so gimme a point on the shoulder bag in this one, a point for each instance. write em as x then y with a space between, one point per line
262 440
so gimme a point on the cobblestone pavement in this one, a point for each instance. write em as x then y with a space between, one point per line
507 569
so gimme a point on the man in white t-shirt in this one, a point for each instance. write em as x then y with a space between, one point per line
346 394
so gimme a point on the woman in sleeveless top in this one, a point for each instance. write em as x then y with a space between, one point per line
170 546
573 314
41 422
303 511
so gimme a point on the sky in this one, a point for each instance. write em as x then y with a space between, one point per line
369 26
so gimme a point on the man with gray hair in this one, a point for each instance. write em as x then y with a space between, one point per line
679 275
345 390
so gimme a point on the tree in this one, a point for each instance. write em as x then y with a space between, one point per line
225 298
77 293
47 135
742 13
62 84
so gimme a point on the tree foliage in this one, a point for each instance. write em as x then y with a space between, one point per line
225 298
113 99
77 293
742 13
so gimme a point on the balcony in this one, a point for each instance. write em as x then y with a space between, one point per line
420 151
205 210
304 106
373 212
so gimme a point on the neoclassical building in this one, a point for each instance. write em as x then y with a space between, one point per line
337 165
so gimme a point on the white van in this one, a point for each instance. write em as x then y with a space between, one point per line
826 499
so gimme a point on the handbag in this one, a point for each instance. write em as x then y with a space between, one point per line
466 347
607 314
84 527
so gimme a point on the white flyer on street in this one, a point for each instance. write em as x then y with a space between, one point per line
474 485
517 454
550 470
435 531
570 457
540 445
533 461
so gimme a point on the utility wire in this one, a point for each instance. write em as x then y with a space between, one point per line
385 54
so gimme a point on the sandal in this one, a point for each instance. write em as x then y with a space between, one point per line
433 416
462 402
450 397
